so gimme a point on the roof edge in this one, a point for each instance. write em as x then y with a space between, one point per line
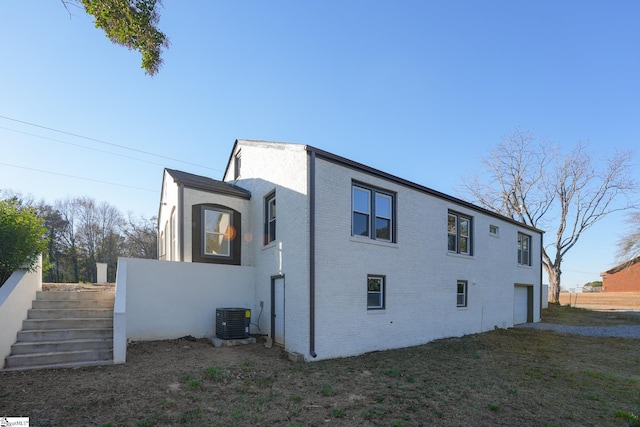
225 188
418 187
621 266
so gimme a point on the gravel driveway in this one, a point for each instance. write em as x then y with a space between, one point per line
621 331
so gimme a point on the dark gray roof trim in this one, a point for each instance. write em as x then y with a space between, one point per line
376 172
203 183
622 266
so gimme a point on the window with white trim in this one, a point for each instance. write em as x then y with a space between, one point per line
373 213
524 249
494 230
270 218
461 293
459 233
217 232
375 292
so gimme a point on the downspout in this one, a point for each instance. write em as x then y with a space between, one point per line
541 287
312 255
180 221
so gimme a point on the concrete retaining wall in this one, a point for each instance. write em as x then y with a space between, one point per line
16 296
159 300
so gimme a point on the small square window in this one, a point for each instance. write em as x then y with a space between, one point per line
375 292
461 293
494 230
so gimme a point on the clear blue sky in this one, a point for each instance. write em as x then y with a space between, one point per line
420 89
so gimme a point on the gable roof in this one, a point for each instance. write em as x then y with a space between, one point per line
621 266
204 183
334 158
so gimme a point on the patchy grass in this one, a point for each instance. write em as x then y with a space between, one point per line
566 315
514 377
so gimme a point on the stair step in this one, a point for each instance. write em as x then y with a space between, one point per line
71 304
55 358
73 296
65 329
71 323
73 365
65 334
64 313
60 346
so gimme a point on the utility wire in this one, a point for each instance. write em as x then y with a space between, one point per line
79 177
81 146
108 143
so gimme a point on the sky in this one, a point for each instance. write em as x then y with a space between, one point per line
420 89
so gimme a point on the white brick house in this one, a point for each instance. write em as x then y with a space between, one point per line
354 259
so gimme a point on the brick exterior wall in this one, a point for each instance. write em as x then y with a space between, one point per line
421 274
625 280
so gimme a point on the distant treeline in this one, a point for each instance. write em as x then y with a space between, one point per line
82 232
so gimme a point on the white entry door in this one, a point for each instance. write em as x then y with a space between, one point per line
520 304
277 310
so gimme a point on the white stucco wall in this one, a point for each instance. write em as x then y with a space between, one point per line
157 300
168 204
266 167
421 275
16 297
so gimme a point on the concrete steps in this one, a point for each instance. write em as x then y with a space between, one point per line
65 329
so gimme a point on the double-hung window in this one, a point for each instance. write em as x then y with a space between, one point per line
270 218
459 233
461 293
217 233
524 249
375 292
373 213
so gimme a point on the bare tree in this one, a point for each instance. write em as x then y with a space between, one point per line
141 237
629 244
68 238
533 182
110 223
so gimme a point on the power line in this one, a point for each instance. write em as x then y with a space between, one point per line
81 146
108 143
79 177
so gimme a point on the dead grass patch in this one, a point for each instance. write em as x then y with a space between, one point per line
514 377
566 315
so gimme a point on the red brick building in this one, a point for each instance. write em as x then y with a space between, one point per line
622 278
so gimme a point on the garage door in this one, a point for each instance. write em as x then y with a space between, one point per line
520 304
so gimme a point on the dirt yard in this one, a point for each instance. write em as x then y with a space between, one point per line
512 377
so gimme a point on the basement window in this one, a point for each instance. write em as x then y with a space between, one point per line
375 292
